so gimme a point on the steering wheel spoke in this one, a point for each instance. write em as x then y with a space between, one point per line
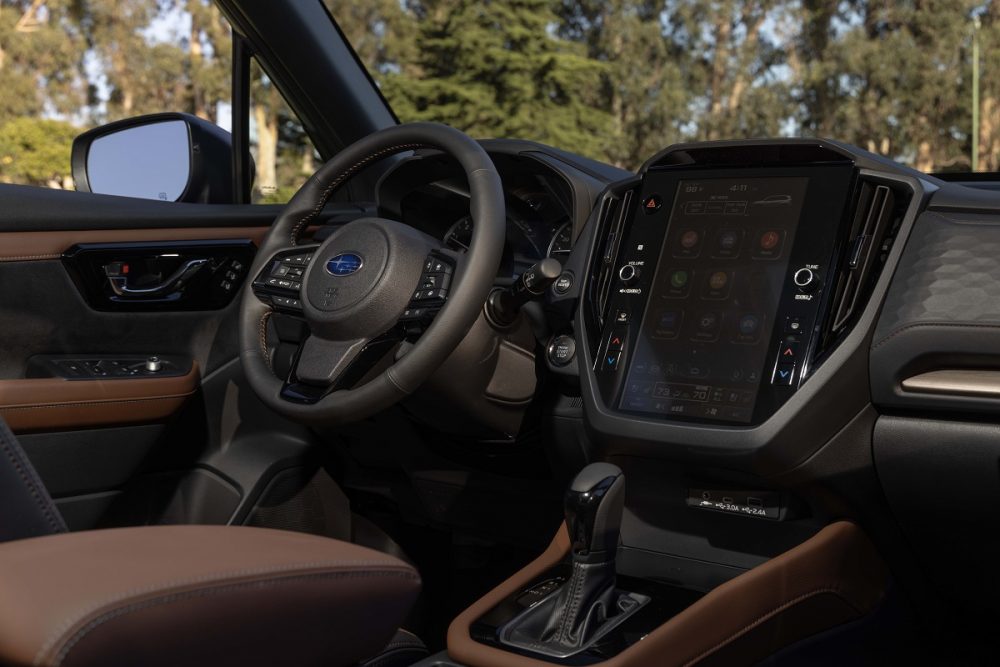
279 283
321 367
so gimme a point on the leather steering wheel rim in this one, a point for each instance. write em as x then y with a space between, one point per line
473 278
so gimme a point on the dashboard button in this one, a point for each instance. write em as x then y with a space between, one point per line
805 279
629 274
652 204
561 350
611 359
621 317
783 374
789 352
793 326
616 341
563 283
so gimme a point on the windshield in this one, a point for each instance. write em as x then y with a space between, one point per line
619 80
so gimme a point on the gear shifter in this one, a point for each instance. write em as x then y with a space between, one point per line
588 604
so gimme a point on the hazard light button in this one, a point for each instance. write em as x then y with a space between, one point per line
652 204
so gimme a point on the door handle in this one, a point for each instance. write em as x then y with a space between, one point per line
173 283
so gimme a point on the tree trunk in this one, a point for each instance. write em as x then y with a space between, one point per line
720 60
989 134
267 150
198 105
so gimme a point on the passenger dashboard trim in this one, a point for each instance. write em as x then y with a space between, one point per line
956 382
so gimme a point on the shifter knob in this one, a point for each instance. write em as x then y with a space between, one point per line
594 504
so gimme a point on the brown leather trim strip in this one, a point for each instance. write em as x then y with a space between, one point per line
48 404
33 246
834 576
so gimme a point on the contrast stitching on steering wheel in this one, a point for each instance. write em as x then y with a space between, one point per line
263 338
344 175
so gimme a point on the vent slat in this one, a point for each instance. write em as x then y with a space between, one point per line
871 237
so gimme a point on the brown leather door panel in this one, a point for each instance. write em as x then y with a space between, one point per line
36 246
51 404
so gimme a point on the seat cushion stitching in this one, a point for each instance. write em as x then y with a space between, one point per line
23 472
112 614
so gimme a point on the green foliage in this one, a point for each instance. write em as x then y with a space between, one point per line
35 151
612 79
493 69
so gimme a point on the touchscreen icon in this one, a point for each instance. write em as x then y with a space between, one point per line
707 326
727 243
679 283
748 328
669 324
688 243
769 244
718 285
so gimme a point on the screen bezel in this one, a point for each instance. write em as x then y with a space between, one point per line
822 224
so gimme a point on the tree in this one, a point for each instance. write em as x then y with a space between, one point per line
493 69
36 152
642 87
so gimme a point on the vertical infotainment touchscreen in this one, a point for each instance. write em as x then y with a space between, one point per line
708 322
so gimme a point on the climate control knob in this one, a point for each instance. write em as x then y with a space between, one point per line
629 274
806 279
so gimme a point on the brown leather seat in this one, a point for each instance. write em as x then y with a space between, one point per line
197 595
186 595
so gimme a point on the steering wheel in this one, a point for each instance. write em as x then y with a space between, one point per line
374 286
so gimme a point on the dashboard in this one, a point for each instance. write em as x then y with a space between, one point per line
429 192
760 317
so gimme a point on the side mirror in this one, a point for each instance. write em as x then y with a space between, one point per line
173 157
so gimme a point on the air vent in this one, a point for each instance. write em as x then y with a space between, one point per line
876 222
612 226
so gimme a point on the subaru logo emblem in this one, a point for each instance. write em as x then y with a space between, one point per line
344 264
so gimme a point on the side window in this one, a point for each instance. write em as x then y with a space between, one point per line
67 67
284 156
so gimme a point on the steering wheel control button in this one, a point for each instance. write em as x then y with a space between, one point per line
436 265
414 314
629 275
805 279
564 283
652 204
783 374
561 350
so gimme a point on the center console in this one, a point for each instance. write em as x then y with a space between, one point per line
714 298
